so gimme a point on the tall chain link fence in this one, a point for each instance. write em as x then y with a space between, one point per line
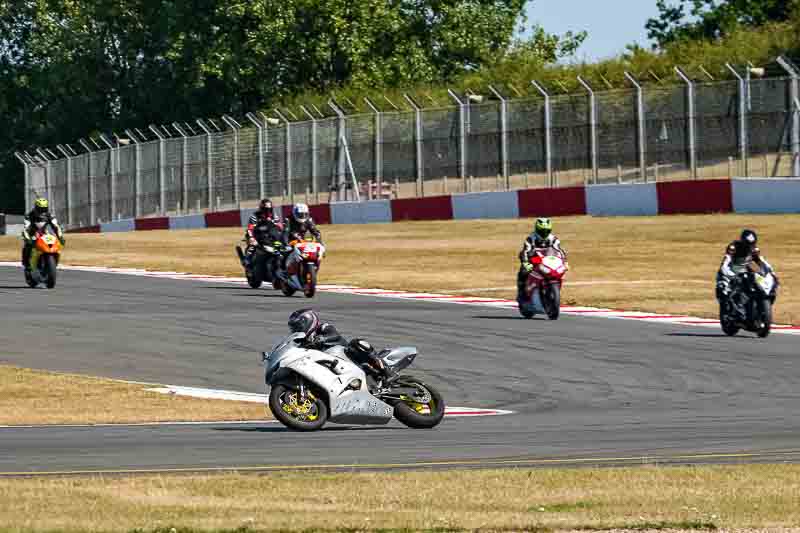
720 129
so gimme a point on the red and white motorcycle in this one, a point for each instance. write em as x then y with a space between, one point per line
305 260
543 285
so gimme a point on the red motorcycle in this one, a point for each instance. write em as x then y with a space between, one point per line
308 254
544 283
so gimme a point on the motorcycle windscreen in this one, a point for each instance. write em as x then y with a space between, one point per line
360 407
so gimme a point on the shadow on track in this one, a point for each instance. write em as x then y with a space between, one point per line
707 335
282 429
509 317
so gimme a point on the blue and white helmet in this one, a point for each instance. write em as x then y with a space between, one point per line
300 212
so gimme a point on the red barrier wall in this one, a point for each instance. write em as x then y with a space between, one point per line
223 219
321 213
431 208
90 229
145 224
552 202
707 196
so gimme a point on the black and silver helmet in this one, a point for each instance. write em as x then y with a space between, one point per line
304 321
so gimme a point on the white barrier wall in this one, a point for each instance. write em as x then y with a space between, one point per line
188 222
622 199
361 212
766 195
127 224
502 204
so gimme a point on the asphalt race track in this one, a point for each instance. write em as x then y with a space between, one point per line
584 390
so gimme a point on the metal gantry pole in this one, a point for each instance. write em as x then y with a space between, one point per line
162 180
137 173
742 119
462 136
691 119
262 186
548 133
235 126
503 136
378 145
418 143
641 126
794 96
314 153
592 126
288 152
209 165
184 166
90 197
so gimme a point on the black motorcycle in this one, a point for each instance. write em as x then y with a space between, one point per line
263 264
748 306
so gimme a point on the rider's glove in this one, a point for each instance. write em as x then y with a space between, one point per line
528 267
252 242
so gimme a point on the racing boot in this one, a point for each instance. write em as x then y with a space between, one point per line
521 279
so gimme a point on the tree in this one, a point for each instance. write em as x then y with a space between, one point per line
712 19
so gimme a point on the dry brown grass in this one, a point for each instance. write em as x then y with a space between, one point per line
564 499
36 397
671 259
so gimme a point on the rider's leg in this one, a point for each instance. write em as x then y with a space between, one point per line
522 278
293 269
26 255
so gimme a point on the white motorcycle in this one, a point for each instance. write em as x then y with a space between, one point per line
310 387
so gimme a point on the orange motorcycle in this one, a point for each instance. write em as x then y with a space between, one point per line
307 255
45 255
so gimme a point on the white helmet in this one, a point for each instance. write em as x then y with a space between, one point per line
300 212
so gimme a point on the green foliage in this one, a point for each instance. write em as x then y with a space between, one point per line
711 19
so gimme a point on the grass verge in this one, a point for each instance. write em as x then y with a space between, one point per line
641 498
660 264
37 397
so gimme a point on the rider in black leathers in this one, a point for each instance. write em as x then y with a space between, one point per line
324 335
263 226
739 256
40 213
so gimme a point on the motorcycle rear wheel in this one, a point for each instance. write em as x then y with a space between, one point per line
253 280
766 318
412 413
284 403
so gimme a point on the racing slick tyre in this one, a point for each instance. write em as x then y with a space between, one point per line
551 301
50 271
310 285
415 414
287 289
525 312
729 327
253 280
766 318
308 415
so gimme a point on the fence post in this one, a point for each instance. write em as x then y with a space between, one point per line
184 167
378 145
26 192
418 143
341 166
503 136
262 186
89 182
641 131
691 118
162 181
47 172
235 126
69 199
794 105
462 136
209 165
592 126
548 134
742 119
137 173
314 153
288 155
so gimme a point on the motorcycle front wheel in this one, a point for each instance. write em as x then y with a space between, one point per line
766 318
424 410
310 286
50 271
294 412
551 301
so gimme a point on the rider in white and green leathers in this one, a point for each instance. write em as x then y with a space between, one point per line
541 237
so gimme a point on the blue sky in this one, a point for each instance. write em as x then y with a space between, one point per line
611 23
